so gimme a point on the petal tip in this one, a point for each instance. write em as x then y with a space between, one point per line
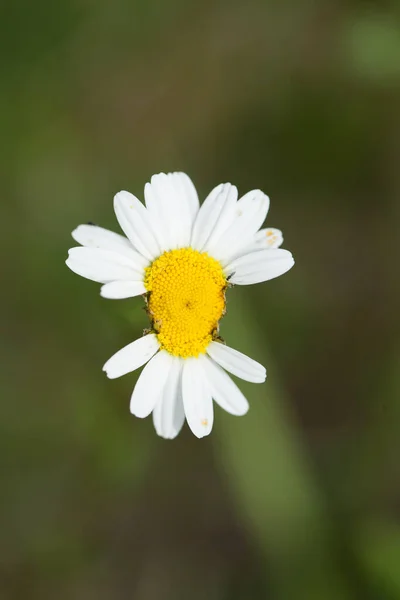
75 233
157 176
200 435
122 196
137 413
263 377
68 262
106 370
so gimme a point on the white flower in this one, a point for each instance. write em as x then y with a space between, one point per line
182 257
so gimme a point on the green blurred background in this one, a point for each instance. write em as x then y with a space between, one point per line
300 499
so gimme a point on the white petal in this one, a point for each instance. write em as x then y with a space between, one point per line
132 356
150 384
214 217
173 204
268 238
115 290
102 265
182 209
94 236
187 193
259 266
162 209
263 239
168 414
135 221
250 213
157 219
197 399
224 391
237 363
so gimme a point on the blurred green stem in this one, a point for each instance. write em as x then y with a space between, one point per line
266 467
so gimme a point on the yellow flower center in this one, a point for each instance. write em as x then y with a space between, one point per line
186 300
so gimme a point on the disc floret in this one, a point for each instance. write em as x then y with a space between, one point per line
186 300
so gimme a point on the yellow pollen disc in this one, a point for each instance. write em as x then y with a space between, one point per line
186 300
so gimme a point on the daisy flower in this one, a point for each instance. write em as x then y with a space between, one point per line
182 257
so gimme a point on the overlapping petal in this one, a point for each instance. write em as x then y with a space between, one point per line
135 222
269 238
197 399
249 215
237 363
168 413
224 391
132 356
151 384
259 266
93 236
214 217
118 290
103 266
172 202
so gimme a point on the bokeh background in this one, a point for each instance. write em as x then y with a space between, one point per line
300 499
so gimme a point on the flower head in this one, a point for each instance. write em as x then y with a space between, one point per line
182 256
